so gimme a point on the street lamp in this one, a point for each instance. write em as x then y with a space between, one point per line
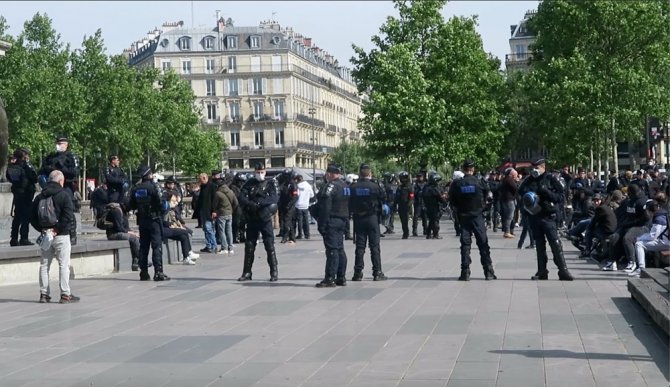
312 112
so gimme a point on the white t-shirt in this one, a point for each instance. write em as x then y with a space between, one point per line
305 193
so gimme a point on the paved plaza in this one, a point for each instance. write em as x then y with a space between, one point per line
421 328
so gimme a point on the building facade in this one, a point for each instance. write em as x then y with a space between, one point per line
519 43
275 97
4 46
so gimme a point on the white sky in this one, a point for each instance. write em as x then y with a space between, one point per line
332 25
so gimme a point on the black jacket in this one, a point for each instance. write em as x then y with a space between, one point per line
28 178
62 205
65 162
115 178
119 222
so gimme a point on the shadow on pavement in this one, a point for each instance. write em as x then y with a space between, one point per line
7 300
562 353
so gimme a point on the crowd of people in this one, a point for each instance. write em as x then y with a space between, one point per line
616 222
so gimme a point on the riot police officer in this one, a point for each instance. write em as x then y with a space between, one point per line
419 207
390 188
145 198
259 198
288 196
116 180
239 220
468 195
366 203
433 200
65 161
23 177
403 201
331 214
540 194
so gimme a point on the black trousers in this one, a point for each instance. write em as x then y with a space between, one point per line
254 229
544 231
419 213
151 235
287 224
474 225
366 230
22 210
333 241
181 235
403 213
434 216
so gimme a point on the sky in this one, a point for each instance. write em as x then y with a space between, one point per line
332 25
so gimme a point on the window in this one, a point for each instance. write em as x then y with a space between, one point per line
186 66
166 65
258 139
255 41
279 109
208 43
211 87
278 86
184 43
211 111
234 110
255 64
235 163
279 138
231 42
520 51
258 110
234 139
277 162
257 86
276 63
209 66
233 87
232 64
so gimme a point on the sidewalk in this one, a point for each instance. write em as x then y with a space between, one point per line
421 328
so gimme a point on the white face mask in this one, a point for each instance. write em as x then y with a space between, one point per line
535 172
61 147
260 176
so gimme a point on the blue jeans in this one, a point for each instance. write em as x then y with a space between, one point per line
210 236
224 227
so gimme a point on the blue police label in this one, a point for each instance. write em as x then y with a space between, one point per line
141 193
468 189
347 191
362 192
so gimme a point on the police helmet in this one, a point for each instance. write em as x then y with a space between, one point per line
457 175
351 178
434 178
143 171
403 176
531 203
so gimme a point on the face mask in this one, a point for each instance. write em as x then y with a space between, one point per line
260 176
535 172
58 148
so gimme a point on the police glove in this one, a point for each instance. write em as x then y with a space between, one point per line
544 193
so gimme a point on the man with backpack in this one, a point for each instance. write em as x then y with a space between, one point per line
23 177
52 216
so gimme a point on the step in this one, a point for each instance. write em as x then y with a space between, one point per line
653 298
659 275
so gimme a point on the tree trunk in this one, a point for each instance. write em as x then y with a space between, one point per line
615 152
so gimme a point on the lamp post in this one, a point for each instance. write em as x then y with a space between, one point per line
312 112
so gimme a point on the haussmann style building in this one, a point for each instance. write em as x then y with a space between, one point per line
275 96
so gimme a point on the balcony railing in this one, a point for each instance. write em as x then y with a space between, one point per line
267 118
517 59
211 121
270 145
309 120
232 120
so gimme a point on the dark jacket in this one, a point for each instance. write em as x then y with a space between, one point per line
604 220
115 178
28 177
205 205
508 189
99 199
119 222
65 162
225 201
62 205
549 190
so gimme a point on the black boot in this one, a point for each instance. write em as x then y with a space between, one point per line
13 242
144 275
544 275
379 276
135 265
465 274
272 262
25 242
160 276
357 277
341 281
248 262
489 274
542 272
559 260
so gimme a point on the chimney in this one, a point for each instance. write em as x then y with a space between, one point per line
307 42
221 23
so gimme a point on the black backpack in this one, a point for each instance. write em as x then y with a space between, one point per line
46 213
101 221
16 176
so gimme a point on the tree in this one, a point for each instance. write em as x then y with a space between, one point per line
433 94
350 156
600 68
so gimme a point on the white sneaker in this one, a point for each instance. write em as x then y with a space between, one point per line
188 261
222 251
635 273
231 251
193 256
630 267
610 266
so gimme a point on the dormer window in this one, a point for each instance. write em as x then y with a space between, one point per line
184 43
164 43
231 42
208 43
276 40
254 41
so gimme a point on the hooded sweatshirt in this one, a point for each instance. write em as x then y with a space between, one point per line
305 193
62 205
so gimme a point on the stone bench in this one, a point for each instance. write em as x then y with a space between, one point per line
651 292
88 258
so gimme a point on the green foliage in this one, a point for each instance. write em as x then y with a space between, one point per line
350 156
433 94
102 104
595 61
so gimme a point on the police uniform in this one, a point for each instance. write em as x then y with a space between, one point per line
419 207
433 200
468 195
403 201
390 188
366 205
146 199
258 198
540 195
116 181
23 177
68 164
332 214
